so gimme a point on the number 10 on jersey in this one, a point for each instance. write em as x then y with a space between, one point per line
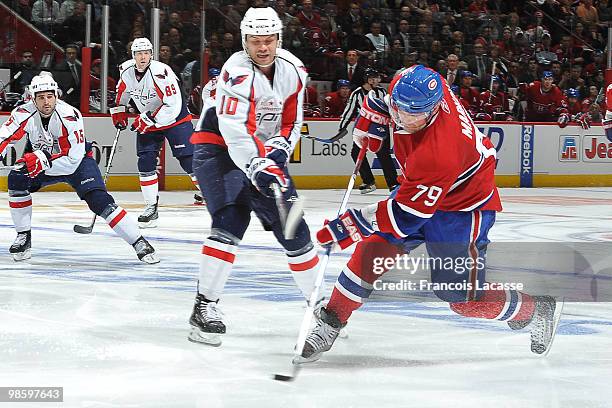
228 106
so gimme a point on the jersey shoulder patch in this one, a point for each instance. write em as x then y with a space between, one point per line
127 64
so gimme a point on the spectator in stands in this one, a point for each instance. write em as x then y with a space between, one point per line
334 103
74 24
531 74
480 64
512 79
353 17
591 98
378 40
457 45
45 14
420 40
234 14
165 56
594 37
24 9
281 9
359 42
66 9
68 75
403 35
192 31
587 13
28 70
575 80
294 40
395 60
452 71
174 40
604 11
309 19
351 70
437 53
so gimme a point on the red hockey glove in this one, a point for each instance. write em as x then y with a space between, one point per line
584 120
143 123
563 120
372 124
36 162
607 125
119 117
278 149
263 172
349 228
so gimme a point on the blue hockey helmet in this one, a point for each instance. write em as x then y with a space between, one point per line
496 78
455 89
572 93
547 74
213 72
343 82
415 98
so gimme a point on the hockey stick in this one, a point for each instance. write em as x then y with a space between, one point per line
15 167
314 295
15 77
81 229
340 135
289 219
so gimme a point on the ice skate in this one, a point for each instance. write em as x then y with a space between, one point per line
21 248
206 322
149 217
144 250
198 199
367 188
545 321
321 337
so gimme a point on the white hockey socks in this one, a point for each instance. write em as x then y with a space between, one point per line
304 269
21 211
215 266
149 186
124 226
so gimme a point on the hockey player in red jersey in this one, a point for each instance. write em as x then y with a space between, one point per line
468 93
334 102
447 200
545 101
575 108
607 122
494 103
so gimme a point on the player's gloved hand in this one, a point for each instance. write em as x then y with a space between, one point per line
263 172
143 123
584 120
36 162
607 125
372 124
349 228
278 149
119 117
563 120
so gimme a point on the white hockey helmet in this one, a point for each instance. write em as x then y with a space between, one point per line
261 21
141 44
43 82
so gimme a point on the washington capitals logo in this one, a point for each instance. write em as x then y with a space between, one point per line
162 76
234 81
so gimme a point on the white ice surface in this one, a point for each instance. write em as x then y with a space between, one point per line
84 314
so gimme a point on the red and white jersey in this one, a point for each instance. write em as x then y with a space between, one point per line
156 91
447 166
494 102
63 136
251 108
333 105
544 106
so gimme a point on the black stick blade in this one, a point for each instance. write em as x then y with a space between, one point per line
79 229
281 377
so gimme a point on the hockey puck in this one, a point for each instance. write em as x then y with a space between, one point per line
281 377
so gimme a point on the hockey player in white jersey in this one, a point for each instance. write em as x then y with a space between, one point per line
56 152
151 88
242 145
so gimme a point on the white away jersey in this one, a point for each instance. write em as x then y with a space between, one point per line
250 109
157 92
64 137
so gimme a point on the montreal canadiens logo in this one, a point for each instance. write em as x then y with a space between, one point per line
432 84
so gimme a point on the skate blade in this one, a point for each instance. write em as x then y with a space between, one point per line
299 360
150 258
150 224
210 339
22 256
557 319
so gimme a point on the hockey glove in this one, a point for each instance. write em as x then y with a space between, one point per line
36 162
372 123
278 149
607 125
119 117
263 172
349 228
143 123
584 120
563 120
